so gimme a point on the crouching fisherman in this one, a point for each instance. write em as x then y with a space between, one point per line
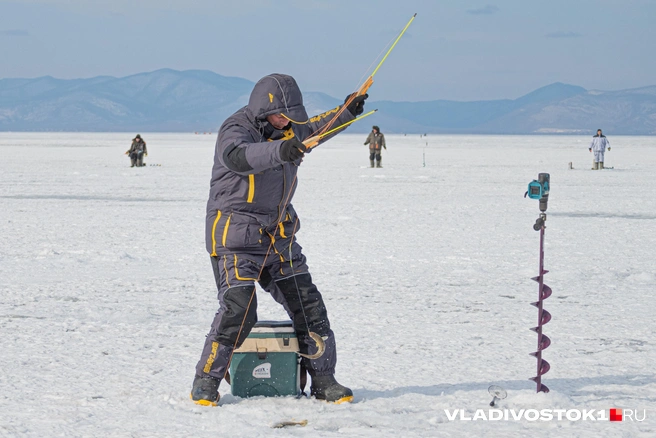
137 151
251 229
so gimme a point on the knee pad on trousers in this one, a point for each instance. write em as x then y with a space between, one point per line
239 309
372 155
306 304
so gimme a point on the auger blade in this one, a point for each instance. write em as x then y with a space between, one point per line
545 317
544 369
544 342
546 292
541 388
538 277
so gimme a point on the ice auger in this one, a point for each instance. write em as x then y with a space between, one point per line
539 189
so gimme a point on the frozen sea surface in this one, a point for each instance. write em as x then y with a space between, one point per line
106 291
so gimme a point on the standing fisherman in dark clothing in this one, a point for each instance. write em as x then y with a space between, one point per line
137 151
251 231
376 142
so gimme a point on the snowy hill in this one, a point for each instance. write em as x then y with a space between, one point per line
196 100
163 100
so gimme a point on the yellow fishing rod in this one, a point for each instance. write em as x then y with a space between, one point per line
313 141
370 80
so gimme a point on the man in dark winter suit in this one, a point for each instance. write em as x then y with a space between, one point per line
137 151
251 229
376 142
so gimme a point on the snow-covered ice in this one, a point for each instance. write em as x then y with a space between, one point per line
106 291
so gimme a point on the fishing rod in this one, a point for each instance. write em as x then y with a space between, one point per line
370 80
366 85
313 141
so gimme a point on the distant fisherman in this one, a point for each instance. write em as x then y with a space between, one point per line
376 142
598 146
137 151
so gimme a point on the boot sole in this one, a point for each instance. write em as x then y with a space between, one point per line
204 402
348 399
339 401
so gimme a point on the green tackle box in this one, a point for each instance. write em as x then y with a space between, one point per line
267 363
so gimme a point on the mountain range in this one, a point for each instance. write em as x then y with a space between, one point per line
197 100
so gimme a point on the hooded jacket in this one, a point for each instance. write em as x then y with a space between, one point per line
138 146
251 188
599 143
376 141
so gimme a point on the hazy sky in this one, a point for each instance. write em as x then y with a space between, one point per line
460 50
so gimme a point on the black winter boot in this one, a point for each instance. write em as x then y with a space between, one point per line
326 388
205 391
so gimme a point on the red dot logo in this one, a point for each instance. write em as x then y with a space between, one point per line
615 414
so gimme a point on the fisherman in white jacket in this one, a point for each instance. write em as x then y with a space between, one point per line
598 146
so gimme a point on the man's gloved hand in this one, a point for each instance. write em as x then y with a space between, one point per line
292 150
356 107
590 149
608 147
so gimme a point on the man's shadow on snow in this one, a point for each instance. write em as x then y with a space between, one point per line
575 387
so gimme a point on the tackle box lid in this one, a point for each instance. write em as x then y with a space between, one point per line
282 327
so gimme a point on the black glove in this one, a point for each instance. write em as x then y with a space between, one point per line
292 149
356 107
590 149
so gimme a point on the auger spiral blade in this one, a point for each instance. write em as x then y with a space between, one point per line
543 341
546 292
541 387
544 317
